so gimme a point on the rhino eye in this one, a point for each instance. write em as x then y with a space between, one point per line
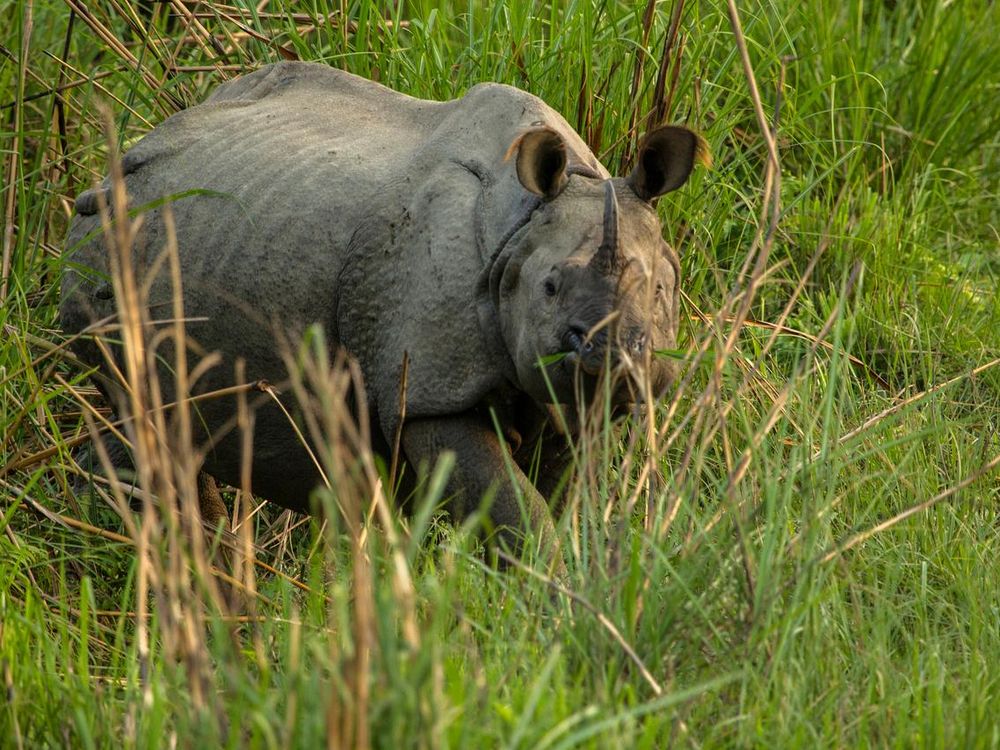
550 288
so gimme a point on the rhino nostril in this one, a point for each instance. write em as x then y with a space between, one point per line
577 339
573 339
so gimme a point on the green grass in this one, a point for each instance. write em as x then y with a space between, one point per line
752 581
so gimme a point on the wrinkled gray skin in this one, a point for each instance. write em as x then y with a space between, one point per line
476 235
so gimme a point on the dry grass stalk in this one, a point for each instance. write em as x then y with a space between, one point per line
662 97
244 558
13 162
630 135
861 536
172 562
605 623
168 102
332 399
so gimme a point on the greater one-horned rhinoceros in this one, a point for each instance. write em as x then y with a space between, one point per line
477 236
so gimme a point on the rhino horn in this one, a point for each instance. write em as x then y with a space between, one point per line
607 259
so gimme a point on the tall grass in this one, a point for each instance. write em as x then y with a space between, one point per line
798 548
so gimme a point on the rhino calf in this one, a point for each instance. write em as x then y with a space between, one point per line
477 237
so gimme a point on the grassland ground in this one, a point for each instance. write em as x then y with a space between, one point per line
798 548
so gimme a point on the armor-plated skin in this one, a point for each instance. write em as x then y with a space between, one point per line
463 234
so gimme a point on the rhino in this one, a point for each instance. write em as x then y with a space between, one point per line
479 238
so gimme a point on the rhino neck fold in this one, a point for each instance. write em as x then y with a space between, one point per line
508 250
496 266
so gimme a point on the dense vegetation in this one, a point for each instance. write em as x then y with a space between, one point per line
799 548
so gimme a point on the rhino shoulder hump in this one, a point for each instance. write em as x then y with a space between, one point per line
264 81
291 77
500 93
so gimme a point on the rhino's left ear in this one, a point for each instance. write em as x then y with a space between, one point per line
666 157
541 161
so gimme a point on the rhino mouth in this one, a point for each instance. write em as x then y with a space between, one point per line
587 362
591 349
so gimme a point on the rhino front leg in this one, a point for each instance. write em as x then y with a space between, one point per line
482 464
550 467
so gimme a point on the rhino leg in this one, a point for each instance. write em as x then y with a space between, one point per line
482 465
550 470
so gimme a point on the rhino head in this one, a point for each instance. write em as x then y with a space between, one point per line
590 277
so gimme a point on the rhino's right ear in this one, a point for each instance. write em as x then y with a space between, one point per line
541 161
666 157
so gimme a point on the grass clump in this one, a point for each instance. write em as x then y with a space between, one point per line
798 549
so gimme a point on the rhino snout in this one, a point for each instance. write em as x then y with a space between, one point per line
585 349
589 350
